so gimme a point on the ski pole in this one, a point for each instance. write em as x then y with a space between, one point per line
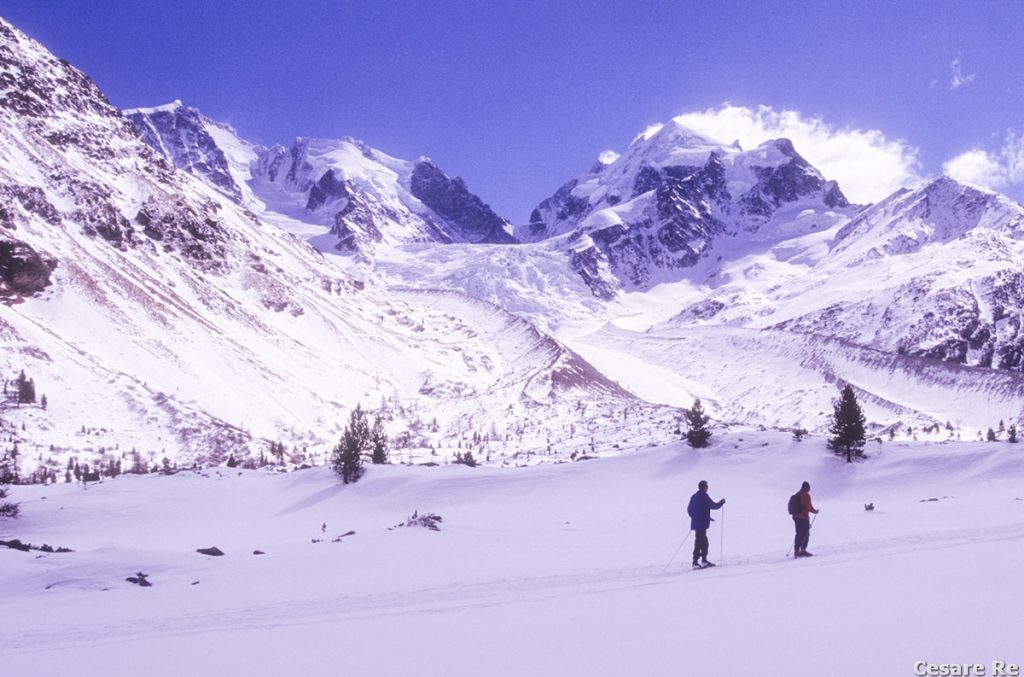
790 547
681 544
721 540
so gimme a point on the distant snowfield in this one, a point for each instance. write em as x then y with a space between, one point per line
546 570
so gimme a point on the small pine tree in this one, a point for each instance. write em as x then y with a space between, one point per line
277 450
43 402
378 442
1011 434
799 434
698 433
465 459
347 456
847 427
7 509
8 468
8 475
990 436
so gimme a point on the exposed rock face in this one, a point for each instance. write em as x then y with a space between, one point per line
196 233
76 141
468 218
18 201
180 132
565 206
23 271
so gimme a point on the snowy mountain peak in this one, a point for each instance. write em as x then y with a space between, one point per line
166 108
662 205
672 136
360 196
367 197
941 211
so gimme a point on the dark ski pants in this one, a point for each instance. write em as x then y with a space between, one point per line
803 534
700 544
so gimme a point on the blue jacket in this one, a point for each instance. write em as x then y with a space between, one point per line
699 510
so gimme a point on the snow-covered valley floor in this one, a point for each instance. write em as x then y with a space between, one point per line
547 570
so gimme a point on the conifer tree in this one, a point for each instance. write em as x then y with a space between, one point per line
990 436
26 389
698 433
7 508
347 456
847 427
1011 433
8 475
378 441
277 450
465 459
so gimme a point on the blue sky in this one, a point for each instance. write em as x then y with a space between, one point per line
518 97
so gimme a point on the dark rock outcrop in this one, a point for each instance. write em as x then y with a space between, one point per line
140 579
23 270
179 226
468 218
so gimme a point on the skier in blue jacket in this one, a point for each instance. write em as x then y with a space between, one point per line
699 510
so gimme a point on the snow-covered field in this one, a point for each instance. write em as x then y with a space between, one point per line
547 570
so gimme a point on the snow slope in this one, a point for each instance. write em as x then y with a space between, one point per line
779 378
548 570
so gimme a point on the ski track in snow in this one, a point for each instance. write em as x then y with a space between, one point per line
497 592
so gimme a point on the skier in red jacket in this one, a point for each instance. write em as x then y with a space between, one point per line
802 521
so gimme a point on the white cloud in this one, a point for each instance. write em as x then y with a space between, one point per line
867 165
990 169
957 78
978 167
